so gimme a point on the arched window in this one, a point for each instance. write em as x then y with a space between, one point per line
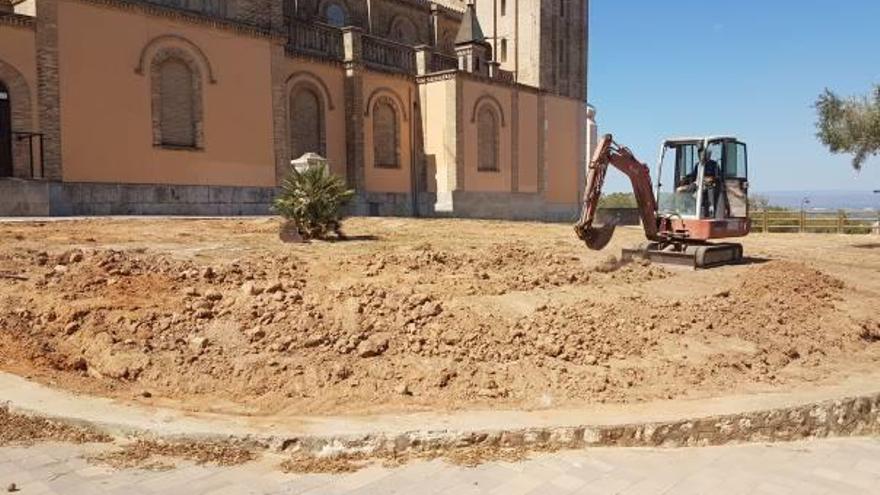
385 135
306 123
177 110
336 15
176 91
404 31
487 140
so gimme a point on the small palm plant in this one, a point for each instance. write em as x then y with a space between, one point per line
311 200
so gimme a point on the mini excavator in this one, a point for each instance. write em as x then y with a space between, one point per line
704 196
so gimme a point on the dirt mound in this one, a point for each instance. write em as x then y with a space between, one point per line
407 327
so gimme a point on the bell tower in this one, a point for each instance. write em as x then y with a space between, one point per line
544 42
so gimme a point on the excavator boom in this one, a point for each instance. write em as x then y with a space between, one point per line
610 153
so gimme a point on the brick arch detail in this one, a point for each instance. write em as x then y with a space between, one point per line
22 115
308 78
168 41
490 100
386 91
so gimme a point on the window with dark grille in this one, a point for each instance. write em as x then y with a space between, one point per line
306 123
177 94
487 140
385 135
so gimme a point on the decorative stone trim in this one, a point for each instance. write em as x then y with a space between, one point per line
397 102
487 99
301 77
170 39
437 76
184 55
174 14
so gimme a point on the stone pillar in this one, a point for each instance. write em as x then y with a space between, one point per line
494 69
424 53
49 87
592 132
435 25
354 108
280 130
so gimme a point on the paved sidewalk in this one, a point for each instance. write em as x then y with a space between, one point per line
836 466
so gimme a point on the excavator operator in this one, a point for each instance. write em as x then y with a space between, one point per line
710 183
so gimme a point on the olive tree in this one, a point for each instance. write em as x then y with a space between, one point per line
850 125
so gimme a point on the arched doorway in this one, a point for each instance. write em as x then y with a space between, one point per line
5 132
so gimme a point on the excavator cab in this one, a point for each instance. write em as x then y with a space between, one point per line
702 187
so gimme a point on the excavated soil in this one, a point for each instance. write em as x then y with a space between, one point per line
20 429
419 315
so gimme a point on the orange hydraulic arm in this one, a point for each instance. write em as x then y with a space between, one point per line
609 152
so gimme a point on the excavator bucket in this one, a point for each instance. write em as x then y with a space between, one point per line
597 238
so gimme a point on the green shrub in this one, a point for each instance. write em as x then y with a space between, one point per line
313 200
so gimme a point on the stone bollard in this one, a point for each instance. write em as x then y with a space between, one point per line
309 160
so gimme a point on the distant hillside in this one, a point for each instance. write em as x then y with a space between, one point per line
832 200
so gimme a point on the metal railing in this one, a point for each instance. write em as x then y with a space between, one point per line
505 76
441 62
388 55
315 39
35 151
827 222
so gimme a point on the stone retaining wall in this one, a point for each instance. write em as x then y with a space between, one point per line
847 417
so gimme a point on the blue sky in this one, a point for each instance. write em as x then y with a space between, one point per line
745 67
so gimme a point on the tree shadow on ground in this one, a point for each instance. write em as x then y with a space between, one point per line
351 238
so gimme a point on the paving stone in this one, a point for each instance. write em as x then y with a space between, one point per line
844 466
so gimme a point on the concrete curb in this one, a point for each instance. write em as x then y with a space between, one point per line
848 409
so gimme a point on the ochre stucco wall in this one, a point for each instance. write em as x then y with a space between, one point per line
396 180
17 49
482 181
528 142
438 123
333 77
563 149
106 107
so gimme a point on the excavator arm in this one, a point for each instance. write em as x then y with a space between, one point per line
610 153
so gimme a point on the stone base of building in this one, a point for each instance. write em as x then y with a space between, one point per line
47 198
504 206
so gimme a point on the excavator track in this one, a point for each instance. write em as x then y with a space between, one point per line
695 256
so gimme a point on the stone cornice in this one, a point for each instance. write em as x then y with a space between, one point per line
172 13
445 75
313 58
18 20
451 74
428 4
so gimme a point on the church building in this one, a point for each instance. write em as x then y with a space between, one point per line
197 107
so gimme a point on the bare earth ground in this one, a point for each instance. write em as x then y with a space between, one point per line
409 315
